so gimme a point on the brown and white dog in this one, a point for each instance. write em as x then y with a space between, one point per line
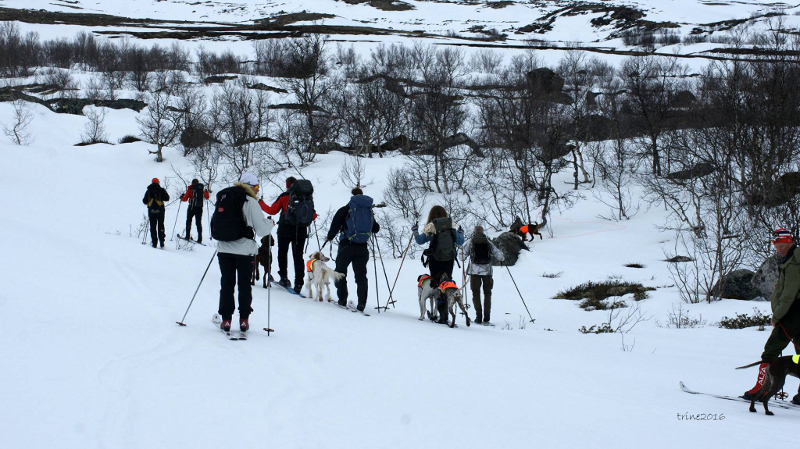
320 275
263 258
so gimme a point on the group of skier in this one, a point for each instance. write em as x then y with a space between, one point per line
239 218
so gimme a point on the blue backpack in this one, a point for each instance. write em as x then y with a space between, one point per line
358 224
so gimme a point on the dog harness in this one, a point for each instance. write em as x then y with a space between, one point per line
796 359
447 285
310 265
524 229
422 279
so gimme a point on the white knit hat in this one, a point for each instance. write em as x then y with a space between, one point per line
249 179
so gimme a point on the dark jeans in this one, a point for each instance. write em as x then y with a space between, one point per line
197 213
296 242
437 269
233 268
157 227
778 341
475 284
358 255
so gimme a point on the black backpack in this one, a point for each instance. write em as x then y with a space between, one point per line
155 204
443 243
197 195
227 222
481 251
300 211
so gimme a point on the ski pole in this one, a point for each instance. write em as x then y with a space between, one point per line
520 294
375 267
398 272
464 278
316 234
176 221
198 289
385 276
146 227
269 305
208 217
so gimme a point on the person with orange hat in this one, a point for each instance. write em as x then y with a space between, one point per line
785 308
156 197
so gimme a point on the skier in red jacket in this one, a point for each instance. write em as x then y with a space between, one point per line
288 235
194 195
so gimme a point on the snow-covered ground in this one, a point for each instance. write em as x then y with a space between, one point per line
567 23
91 356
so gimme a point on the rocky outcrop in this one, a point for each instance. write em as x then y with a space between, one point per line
510 245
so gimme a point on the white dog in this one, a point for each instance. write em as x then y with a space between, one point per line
318 275
426 291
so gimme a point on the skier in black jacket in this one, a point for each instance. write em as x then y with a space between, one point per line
350 252
156 198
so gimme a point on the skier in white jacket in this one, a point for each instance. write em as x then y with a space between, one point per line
237 258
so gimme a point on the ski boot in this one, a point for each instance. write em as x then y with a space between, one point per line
244 324
225 325
284 282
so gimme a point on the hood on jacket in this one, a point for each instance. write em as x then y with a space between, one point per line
247 189
430 229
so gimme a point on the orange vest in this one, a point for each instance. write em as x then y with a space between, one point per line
447 284
422 279
524 229
310 265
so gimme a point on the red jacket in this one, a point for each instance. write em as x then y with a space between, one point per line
279 206
188 194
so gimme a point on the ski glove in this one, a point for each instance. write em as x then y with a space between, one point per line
415 228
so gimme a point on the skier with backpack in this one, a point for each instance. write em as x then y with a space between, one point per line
236 221
355 224
296 208
441 253
156 197
195 193
481 251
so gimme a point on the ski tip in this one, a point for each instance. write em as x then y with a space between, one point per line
180 323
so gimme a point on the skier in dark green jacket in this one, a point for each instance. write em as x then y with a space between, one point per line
785 307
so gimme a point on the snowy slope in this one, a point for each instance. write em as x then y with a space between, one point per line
560 23
91 356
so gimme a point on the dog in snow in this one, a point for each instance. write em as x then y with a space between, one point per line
776 376
264 259
319 275
446 287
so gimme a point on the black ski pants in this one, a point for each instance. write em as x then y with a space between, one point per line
437 269
157 227
296 242
233 268
358 255
197 213
475 281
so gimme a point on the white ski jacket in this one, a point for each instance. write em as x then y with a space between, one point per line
482 269
254 218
